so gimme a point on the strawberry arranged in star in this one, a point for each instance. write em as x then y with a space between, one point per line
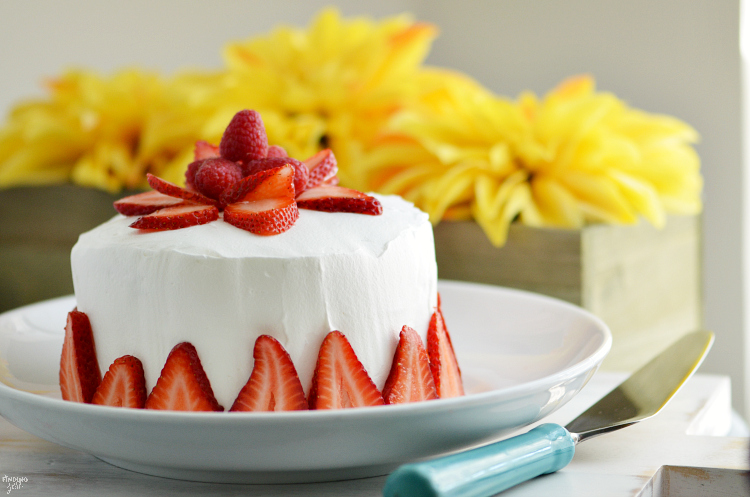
204 150
145 203
250 182
172 190
270 183
323 168
300 169
182 215
339 199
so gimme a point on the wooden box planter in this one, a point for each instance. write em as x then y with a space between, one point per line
38 227
642 281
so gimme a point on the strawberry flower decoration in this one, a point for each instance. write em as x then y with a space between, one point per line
258 186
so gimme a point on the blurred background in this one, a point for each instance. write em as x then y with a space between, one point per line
676 57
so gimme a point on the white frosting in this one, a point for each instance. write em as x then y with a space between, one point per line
220 287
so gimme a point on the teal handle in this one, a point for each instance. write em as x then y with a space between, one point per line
486 470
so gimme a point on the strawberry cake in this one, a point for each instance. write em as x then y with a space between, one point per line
261 285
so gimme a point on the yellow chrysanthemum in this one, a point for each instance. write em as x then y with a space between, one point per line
333 85
574 157
97 131
436 137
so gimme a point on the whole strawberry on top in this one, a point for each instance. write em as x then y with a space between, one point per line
258 188
245 138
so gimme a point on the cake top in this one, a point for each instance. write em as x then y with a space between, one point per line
313 234
249 184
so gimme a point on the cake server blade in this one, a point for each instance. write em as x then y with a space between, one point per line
547 448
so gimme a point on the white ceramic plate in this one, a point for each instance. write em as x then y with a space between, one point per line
522 356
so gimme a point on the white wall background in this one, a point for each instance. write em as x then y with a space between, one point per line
679 57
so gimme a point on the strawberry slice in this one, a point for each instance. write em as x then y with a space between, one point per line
339 199
445 371
410 379
168 188
270 183
334 181
323 167
245 138
123 385
265 217
79 368
204 150
300 169
182 215
273 384
340 380
144 203
183 385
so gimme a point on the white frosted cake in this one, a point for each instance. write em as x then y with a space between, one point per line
220 287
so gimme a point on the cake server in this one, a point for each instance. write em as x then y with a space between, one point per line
547 448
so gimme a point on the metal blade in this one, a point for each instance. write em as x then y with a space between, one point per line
647 390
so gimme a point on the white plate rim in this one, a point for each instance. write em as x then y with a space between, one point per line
581 366
232 421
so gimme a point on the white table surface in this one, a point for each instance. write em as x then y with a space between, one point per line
690 431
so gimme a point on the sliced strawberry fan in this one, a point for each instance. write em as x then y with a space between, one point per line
339 199
182 215
204 150
323 168
270 183
300 169
266 217
263 203
172 190
248 180
145 203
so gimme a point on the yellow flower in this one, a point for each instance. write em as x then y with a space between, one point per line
95 131
334 84
574 157
607 162
358 86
